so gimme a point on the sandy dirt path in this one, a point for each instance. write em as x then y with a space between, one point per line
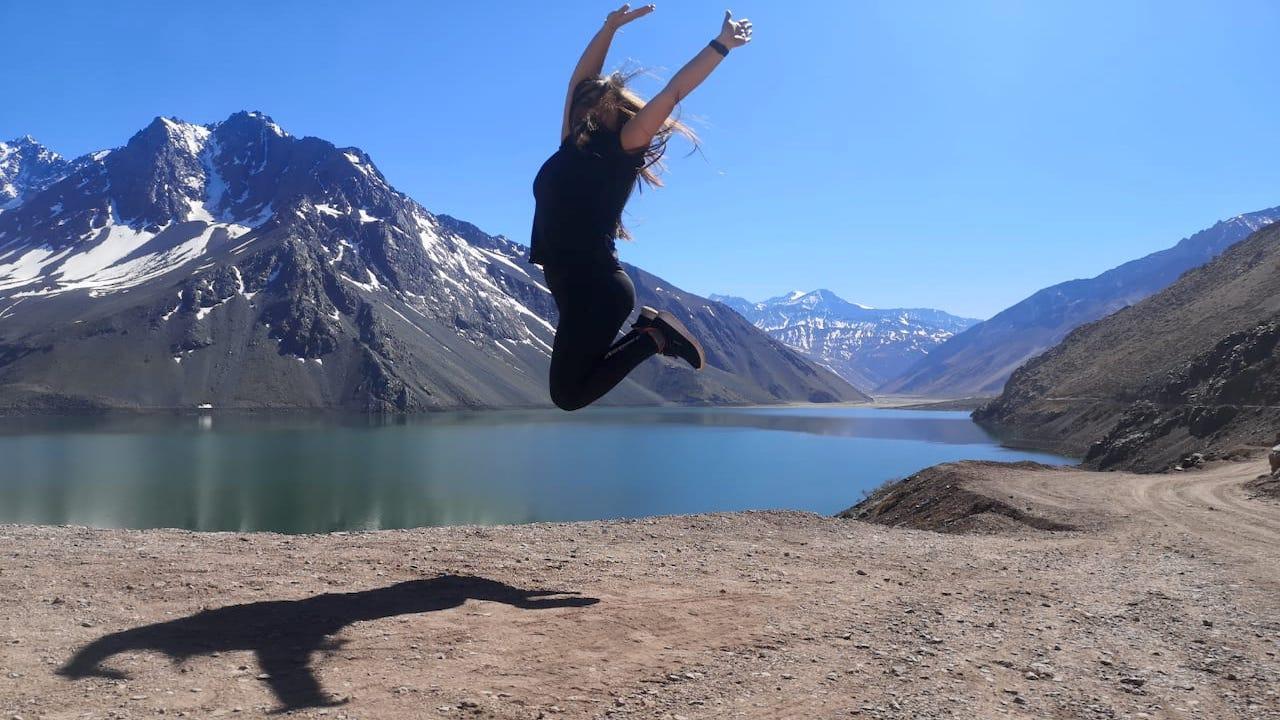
1165 604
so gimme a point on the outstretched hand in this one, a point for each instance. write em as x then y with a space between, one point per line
734 33
625 14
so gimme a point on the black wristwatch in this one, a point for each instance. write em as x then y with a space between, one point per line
719 47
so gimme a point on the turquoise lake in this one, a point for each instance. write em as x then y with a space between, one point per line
316 473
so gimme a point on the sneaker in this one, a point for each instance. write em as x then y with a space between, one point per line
646 317
680 342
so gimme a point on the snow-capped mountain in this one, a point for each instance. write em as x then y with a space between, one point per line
863 345
26 168
236 265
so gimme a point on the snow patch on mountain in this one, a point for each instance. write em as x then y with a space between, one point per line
115 254
191 137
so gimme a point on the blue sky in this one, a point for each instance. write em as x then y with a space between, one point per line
952 155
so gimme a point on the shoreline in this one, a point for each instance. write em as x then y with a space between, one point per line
887 401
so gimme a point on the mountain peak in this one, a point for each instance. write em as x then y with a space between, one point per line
176 128
784 298
255 119
827 296
173 132
26 167
27 146
807 296
810 298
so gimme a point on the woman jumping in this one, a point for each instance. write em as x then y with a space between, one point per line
610 140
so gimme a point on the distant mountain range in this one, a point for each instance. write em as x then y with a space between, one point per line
979 360
235 265
1193 368
864 345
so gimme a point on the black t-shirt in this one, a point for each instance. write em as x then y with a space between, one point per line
580 194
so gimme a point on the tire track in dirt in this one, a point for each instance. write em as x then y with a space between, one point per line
1210 507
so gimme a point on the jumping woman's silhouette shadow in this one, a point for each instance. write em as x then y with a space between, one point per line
284 633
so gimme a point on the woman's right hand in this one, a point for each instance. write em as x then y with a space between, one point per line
624 15
734 33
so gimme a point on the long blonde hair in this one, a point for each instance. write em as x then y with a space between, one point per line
599 97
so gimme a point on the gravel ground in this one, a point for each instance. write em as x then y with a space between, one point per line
1166 605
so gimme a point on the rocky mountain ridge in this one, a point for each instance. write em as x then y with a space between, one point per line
979 360
235 265
1191 369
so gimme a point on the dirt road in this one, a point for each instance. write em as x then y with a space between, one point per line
1165 604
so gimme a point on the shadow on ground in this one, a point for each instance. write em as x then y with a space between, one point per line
283 634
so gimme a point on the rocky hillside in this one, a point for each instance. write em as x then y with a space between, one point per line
866 346
980 360
1194 368
235 265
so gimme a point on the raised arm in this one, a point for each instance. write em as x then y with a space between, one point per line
638 132
592 60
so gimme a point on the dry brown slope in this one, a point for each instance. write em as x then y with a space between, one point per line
981 359
1191 368
945 498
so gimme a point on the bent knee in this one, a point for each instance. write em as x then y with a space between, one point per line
569 405
567 401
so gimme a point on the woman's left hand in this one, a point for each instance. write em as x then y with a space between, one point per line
625 14
734 33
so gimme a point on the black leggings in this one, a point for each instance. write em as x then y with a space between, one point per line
586 363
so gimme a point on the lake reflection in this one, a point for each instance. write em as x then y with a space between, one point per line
311 473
